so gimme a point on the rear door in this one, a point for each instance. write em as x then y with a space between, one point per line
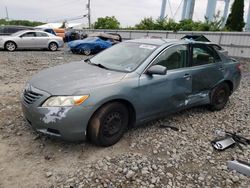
42 40
166 93
206 71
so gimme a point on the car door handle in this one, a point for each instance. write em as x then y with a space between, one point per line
187 76
221 69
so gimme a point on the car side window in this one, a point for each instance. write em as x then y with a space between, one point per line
173 58
203 54
29 34
38 34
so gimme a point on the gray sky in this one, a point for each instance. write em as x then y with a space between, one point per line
128 12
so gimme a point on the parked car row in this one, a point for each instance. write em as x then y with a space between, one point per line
78 42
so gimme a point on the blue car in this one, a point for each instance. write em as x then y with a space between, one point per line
90 45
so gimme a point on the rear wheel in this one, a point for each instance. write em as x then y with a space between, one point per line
10 46
53 46
108 124
219 97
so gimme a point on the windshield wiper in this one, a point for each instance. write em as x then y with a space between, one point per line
87 61
100 65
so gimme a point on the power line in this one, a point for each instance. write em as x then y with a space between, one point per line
178 9
170 8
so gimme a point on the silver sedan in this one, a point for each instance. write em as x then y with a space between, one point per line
30 39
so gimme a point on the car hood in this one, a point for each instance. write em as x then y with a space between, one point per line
74 78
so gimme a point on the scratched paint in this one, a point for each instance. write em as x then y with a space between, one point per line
55 114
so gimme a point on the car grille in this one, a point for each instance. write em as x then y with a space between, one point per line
30 97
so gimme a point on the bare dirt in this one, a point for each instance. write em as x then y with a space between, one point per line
148 156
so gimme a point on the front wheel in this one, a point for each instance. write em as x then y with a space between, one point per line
219 97
86 51
108 124
10 46
53 46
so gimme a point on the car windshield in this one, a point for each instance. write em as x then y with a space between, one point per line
17 33
125 57
90 38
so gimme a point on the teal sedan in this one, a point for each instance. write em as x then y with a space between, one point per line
127 85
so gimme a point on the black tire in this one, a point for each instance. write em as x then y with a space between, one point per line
86 51
53 46
10 46
219 97
108 124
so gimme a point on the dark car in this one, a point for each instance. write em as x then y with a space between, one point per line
10 29
74 35
126 85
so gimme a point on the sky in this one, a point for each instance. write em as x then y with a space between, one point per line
128 12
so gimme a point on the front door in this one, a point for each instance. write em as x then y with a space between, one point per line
166 93
27 40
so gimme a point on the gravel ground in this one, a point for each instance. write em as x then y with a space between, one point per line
148 156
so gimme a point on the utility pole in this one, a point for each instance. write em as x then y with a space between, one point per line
7 14
89 14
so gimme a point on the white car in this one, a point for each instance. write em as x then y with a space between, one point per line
31 39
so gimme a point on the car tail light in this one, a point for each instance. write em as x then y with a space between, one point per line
239 67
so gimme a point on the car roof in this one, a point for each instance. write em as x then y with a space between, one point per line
25 31
164 41
159 41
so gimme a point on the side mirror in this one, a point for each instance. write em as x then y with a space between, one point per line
157 69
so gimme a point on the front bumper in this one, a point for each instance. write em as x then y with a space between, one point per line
68 123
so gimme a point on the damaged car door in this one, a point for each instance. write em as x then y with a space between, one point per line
166 93
206 71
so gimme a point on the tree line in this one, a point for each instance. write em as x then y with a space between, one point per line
20 22
235 22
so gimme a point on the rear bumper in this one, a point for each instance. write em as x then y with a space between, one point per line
236 81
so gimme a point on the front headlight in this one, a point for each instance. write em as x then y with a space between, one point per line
59 101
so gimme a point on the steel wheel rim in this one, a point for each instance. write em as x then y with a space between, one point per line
112 124
10 46
220 97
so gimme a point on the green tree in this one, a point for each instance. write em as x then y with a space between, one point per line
20 22
107 23
235 21
146 24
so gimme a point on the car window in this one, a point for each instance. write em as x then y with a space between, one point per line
29 34
39 34
203 54
174 57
